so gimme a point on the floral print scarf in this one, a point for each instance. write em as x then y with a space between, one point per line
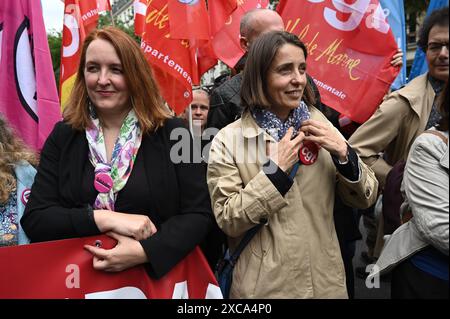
122 160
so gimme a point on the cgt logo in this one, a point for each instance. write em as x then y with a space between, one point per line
189 2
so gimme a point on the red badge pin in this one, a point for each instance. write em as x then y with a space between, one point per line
308 153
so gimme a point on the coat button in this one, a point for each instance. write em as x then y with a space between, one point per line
368 192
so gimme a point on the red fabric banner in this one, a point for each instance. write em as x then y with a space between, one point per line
188 19
103 5
140 9
89 10
350 46
63 269
220 12
226 36
80 18
175 61
28 95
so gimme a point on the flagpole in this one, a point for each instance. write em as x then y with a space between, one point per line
111 15
191 125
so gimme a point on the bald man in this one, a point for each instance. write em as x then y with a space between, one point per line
225 100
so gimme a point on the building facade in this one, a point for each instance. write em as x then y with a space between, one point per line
123 10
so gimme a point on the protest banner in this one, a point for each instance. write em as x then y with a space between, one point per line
63 269
350 47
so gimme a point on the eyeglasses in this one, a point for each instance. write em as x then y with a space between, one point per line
436 47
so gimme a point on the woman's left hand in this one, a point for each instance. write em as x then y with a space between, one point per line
127 253
397 59
325 136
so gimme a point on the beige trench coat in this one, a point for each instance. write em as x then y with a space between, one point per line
296 254
394 126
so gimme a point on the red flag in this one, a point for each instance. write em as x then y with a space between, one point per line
352 76
188 19
170 58
28 96
206 57
177 63
226 40
70 274
219 13
140 9
89 10
103 5
80 18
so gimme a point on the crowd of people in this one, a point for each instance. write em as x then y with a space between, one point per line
276 157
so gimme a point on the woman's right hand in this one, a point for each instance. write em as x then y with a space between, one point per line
132 225
285 152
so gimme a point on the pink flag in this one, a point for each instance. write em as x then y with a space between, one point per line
28 96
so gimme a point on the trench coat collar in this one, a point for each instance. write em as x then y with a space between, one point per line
251 130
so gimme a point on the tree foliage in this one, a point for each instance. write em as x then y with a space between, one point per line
54 43
105 20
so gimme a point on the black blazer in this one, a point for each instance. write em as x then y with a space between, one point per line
178 192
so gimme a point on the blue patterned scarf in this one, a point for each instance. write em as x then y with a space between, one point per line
274 126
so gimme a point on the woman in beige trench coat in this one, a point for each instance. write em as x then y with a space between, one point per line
296 253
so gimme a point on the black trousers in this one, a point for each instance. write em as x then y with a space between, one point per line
409 282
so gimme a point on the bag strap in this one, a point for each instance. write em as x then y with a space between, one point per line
252 231
438 134
244 242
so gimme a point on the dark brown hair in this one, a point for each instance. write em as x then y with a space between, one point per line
443 109
438 17
260 58
144 93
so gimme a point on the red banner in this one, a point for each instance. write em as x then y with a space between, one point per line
188 20
350 46
103 5
175 61
80 18
140 9
220 12
63 269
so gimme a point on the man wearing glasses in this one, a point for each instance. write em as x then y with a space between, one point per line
387 136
